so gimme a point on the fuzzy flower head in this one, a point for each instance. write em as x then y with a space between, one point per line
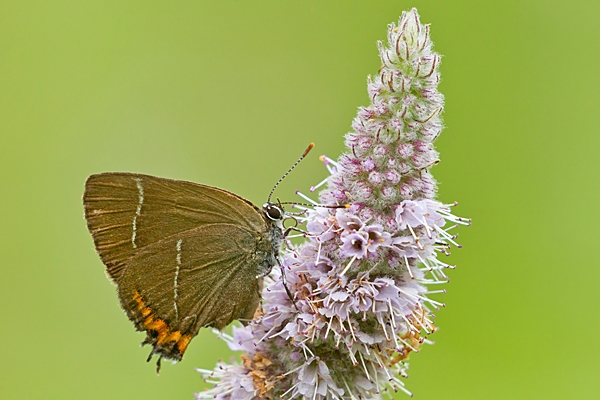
350 304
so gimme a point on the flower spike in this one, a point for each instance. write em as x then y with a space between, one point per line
359 282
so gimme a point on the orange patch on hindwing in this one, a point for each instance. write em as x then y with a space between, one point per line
164 334
182 343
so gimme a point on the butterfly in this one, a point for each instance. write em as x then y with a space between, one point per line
183 255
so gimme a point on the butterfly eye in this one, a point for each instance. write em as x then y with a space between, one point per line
272 211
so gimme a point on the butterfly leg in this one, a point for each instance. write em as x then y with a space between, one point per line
289 229
287 290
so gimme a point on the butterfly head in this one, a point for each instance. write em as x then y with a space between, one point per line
273 211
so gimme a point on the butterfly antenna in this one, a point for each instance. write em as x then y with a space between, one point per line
295 203
308 149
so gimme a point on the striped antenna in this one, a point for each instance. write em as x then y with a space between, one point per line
308 149
295 203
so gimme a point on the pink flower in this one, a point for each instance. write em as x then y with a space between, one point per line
358 303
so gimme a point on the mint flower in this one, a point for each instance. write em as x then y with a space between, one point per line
359 282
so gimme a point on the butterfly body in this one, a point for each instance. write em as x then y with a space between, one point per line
183 255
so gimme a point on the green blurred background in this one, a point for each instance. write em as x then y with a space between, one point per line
229 93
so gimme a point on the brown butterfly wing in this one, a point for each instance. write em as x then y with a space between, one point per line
126 212
183 255
202 277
